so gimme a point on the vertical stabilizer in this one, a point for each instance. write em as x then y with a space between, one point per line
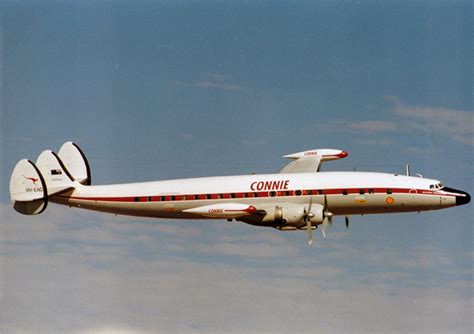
75 162
28 188
56 176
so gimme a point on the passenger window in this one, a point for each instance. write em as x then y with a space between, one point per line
208 196
389 191
309 192
272 193
232 195
298 192
362 191
173 198
149 199
371 191
162 198
345 192
137 199
321 192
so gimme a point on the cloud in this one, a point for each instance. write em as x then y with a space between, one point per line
374 141
455 124
113 330
366 128
251 250
103 273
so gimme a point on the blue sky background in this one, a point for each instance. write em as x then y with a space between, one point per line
157 90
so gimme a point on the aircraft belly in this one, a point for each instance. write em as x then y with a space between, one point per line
143 209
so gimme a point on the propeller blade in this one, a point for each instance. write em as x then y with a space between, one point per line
324 226
309 229
327 217
347 222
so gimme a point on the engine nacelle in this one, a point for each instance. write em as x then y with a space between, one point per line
292 215
289 215
317 214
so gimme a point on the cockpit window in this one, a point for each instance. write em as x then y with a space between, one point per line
436 186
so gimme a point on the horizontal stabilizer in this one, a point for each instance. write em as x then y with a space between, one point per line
28 188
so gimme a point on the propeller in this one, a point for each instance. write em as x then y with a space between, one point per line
307 219
327 221
347 222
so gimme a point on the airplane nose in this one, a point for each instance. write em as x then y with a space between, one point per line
464 198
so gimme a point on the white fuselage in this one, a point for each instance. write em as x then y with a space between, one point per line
299 197
346 193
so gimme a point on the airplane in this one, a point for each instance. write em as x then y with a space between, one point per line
299 197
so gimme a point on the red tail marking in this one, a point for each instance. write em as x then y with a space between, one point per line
32 179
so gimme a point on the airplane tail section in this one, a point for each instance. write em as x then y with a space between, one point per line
31 184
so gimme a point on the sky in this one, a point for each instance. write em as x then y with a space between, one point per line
153 90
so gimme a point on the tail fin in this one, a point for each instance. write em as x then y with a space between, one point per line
28 188
75 162
31 184
56 176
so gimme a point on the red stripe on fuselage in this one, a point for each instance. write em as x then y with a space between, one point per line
287 193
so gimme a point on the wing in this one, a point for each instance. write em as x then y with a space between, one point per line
310 161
